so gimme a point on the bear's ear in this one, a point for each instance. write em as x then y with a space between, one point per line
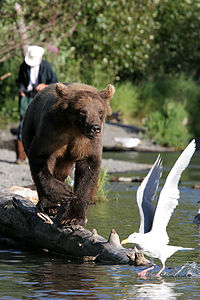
62 92
108 92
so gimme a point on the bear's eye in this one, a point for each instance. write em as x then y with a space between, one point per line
82 112
101 113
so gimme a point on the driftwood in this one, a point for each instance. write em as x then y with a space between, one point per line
21 221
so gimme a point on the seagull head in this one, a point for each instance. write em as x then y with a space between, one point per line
132 239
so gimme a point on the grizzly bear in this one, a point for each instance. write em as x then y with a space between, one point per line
63 128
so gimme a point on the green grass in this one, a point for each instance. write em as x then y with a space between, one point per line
102 192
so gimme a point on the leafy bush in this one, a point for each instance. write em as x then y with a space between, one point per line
9 113
168 107
103 41
9 91
129 39
167 127
126 100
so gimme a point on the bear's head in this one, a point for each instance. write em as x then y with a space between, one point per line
84 106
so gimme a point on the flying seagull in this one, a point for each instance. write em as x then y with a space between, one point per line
152 239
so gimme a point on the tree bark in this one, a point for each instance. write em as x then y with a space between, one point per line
20 220
22 29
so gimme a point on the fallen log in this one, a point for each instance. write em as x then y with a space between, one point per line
20 220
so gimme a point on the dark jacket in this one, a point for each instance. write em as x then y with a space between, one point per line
46 75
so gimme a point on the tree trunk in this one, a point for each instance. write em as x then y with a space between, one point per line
22 29
21 221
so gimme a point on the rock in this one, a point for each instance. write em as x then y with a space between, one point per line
114 130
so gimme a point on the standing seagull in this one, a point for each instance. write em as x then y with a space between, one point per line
152 238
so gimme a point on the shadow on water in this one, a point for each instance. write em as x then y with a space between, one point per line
25 275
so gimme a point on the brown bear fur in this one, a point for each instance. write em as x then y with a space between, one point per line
63 127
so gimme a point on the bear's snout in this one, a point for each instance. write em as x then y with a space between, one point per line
93 131
96 128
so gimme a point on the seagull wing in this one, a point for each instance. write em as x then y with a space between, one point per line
169 195
146 194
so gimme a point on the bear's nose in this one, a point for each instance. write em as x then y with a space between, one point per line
95 128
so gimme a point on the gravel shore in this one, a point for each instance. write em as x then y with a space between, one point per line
12 174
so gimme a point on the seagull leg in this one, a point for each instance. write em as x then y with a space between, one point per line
143 273
158 274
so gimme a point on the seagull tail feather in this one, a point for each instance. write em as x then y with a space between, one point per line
186 249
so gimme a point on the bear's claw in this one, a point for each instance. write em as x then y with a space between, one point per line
72 221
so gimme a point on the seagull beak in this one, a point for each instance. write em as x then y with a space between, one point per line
124 242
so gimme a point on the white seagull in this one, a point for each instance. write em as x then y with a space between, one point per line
152 239
127 142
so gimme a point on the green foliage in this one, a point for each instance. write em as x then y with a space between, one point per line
102 192
167 106
182 92
113 41
8 93
9 113
125 39
126 100
167 127
178 36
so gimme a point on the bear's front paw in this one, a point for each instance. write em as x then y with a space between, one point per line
52 212
48 208
74 213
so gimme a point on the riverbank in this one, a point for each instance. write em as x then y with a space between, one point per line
12 174
121 131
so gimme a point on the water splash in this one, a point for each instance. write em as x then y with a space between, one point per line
188 270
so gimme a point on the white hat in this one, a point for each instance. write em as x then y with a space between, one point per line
34 56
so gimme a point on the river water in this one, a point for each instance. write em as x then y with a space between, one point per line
31 275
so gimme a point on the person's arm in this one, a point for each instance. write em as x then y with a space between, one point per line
48 76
